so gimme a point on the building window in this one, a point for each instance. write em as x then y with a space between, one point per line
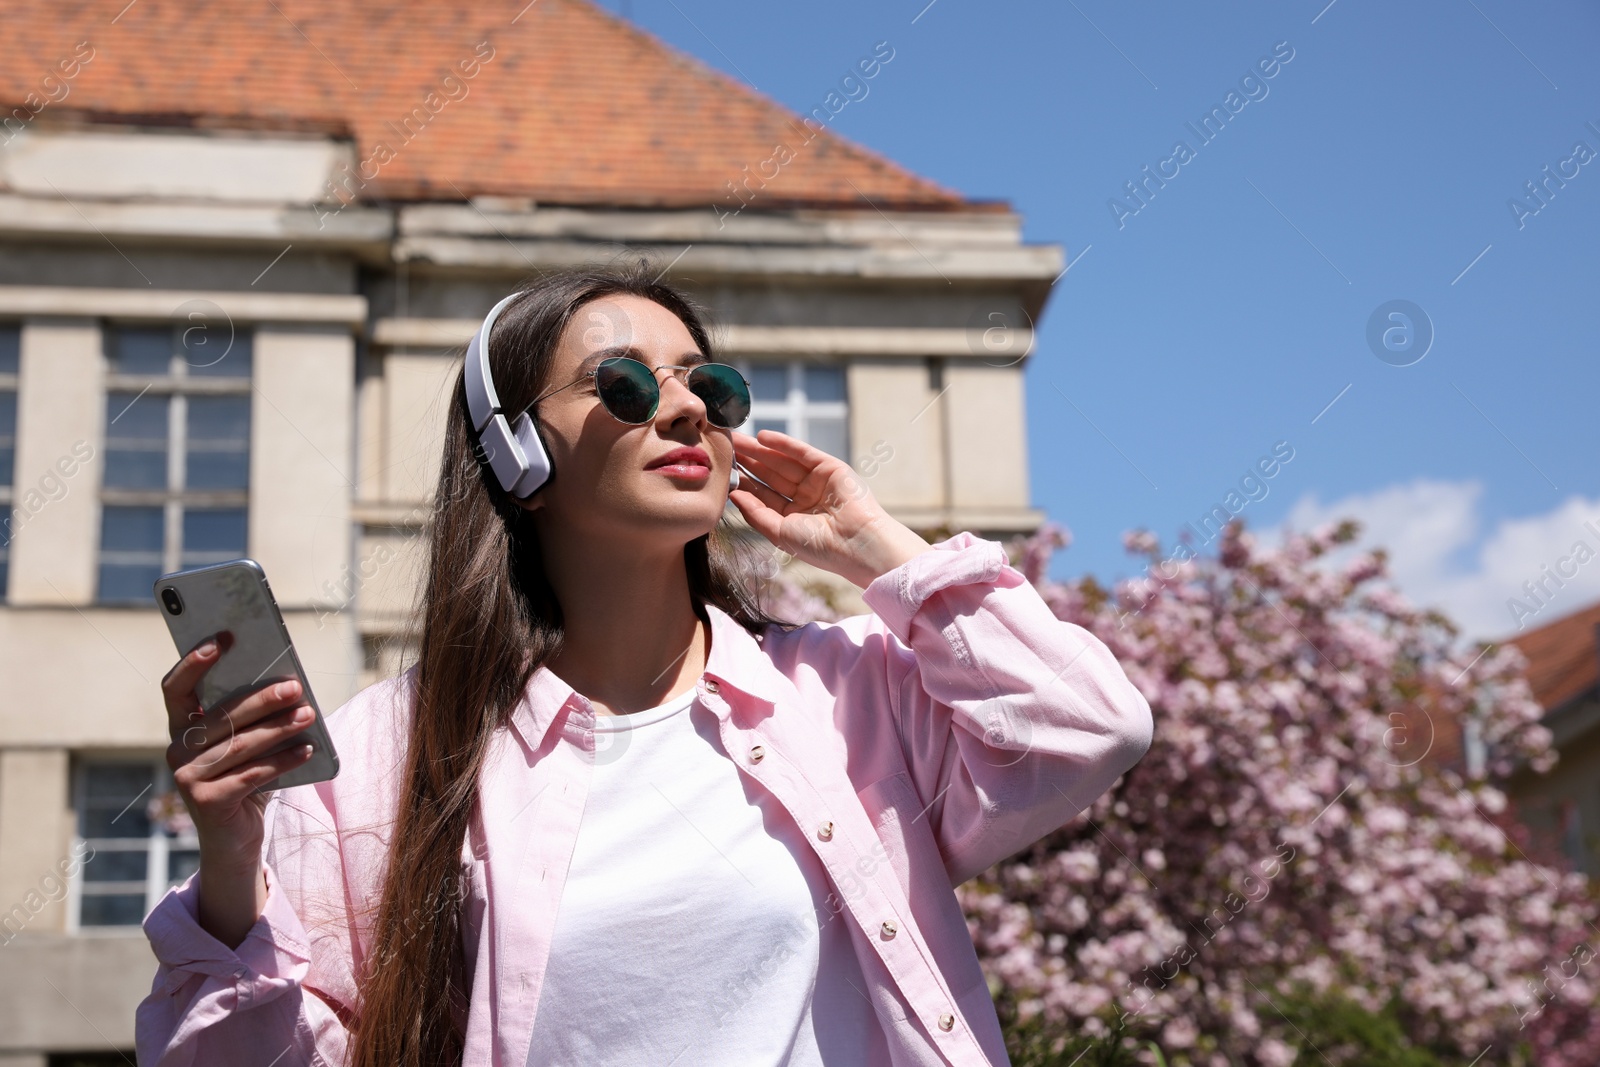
177 458
10 366
801 399
130 860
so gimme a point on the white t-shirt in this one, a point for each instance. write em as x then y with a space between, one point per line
687 934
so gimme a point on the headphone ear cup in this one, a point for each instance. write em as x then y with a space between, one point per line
733 479
537 465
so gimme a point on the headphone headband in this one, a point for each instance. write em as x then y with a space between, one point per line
482 400
514 452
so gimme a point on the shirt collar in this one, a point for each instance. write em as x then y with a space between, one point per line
737 663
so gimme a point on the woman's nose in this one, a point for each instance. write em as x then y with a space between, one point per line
678 399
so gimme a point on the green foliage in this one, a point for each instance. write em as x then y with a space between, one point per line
1033 1045
1338 1031
1328 1031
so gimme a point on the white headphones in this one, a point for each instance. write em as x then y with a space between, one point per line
514 451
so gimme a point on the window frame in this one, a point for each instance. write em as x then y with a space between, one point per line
157 846
797 409
178 385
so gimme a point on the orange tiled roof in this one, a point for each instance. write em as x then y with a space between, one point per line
1563 657
574 106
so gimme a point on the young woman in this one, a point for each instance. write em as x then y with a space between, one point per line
614 814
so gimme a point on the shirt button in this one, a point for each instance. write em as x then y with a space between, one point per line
889 930
756 754
947 1021
711 685
825 831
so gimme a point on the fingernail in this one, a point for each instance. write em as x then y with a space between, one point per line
206 647
301 714
285 689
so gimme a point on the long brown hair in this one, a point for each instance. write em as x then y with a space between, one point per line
490 618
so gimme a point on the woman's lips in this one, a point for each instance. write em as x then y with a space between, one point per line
688 471
688 463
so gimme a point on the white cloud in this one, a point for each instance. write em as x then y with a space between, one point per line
1438 557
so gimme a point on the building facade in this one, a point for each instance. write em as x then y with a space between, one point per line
1562 808
239 256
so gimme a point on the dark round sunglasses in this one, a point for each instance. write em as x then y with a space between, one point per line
630 391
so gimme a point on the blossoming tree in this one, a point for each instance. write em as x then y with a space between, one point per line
1293 833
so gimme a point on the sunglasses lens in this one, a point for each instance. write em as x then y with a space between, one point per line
627 389
726 396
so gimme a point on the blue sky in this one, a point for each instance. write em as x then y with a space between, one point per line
1230 311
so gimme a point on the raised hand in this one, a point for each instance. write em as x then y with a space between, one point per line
817 509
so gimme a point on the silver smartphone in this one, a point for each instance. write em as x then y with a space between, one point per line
234 596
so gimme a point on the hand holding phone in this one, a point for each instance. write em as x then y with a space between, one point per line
242 720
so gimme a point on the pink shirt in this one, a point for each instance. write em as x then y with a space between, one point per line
913 748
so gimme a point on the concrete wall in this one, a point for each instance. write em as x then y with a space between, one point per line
415 399
988 439
895 411
35 841
116 164
300 270
302 444
388 578
60 404
73 993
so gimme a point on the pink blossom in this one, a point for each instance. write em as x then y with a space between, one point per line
1275 1053
1285 829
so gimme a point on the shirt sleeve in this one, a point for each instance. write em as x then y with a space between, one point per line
1012 720
209 1003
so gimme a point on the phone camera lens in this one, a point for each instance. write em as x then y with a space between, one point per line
170 600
